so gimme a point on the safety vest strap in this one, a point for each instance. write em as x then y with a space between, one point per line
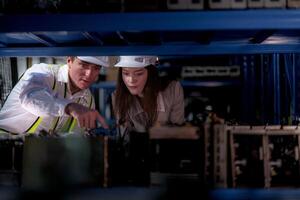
34 126
70 123
3 131
54 124
73 121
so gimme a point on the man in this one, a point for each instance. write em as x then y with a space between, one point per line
54 98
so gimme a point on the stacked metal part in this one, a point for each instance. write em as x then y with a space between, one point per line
258 156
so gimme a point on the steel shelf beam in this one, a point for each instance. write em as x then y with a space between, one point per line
163 50
154 21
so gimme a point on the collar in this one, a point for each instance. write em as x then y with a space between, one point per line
137 109
63 76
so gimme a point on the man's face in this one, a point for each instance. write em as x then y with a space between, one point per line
82 74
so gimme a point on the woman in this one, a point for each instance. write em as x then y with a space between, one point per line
142 99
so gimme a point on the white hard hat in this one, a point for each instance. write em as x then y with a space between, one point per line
97 60
136 61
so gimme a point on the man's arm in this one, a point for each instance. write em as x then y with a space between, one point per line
86 117
36 93
38 98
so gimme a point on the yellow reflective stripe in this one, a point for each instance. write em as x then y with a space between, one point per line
34 126
74 121
54 123
65 127
3 131
69 125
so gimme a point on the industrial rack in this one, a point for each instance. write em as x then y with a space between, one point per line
258 156
160 33
246 33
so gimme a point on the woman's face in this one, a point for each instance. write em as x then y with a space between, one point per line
135 79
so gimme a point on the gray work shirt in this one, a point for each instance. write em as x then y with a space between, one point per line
170 108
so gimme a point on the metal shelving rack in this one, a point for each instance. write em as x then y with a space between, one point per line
160 33
186 33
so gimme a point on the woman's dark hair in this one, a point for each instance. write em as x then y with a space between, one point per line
124 99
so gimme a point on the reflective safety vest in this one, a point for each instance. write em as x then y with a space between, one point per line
68 122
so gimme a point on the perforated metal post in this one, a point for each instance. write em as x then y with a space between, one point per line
266 157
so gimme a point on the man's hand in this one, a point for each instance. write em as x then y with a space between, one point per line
87 118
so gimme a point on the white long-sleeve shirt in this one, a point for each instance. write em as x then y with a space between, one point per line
38 101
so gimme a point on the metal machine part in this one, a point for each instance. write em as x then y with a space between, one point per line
284 160
247 161
260 156
176 153
11 148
